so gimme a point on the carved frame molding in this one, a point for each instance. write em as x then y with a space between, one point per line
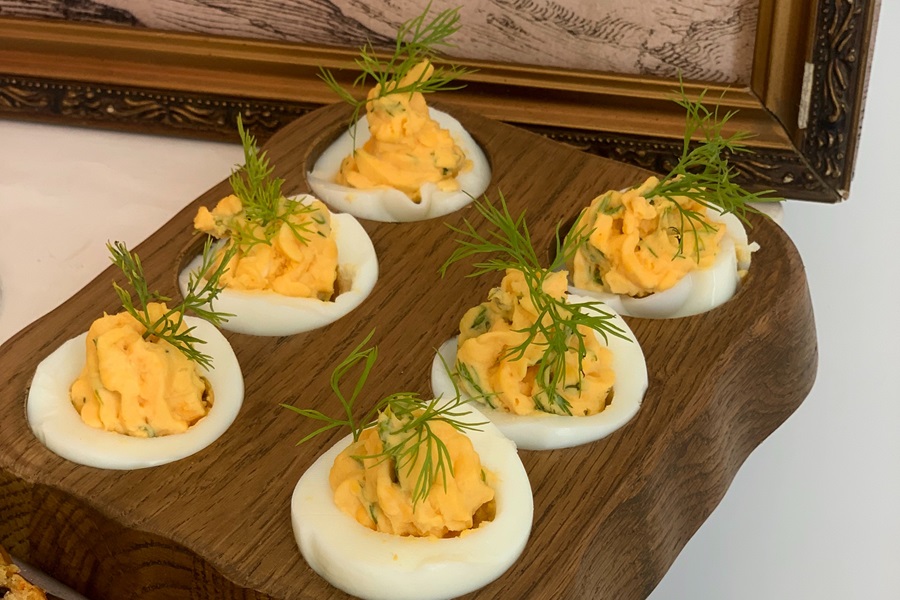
173 84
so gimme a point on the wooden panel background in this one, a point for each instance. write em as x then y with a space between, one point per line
610 517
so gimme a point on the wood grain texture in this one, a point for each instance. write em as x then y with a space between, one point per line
707 40
612 515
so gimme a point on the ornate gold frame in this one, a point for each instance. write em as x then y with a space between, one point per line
804 100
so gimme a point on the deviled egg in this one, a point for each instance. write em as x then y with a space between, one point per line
552 370
402 161
671 246
290 285
58 425
383 201
428 501
292 265
492 362
656 257
136 390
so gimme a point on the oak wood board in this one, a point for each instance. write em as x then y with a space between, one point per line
610 517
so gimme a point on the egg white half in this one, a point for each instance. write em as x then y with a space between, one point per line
545 431
697 292
58 425
269 313
392 205
379 566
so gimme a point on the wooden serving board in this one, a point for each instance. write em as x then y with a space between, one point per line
610 517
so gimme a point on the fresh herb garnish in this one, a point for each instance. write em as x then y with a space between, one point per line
417 41
403 421
265 209
559 324
201 291
703 173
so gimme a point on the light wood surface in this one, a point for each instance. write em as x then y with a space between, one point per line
610 517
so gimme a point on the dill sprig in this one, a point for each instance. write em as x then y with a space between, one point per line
558 322
417 40
703 172
201 292
403 420
264 204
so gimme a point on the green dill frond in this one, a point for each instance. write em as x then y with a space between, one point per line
405 429
404 422
199 298
558 324
417 40
703 172
254 183
264 204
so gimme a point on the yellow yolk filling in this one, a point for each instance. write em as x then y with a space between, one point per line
407 148
637 245
372 490
287 266
136 386
486 369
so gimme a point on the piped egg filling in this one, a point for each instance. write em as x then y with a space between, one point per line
136 386
379 490
489 368
483 533
277 284
407 147
301 261
638 246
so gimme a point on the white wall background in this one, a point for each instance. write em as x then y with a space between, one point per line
814 512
